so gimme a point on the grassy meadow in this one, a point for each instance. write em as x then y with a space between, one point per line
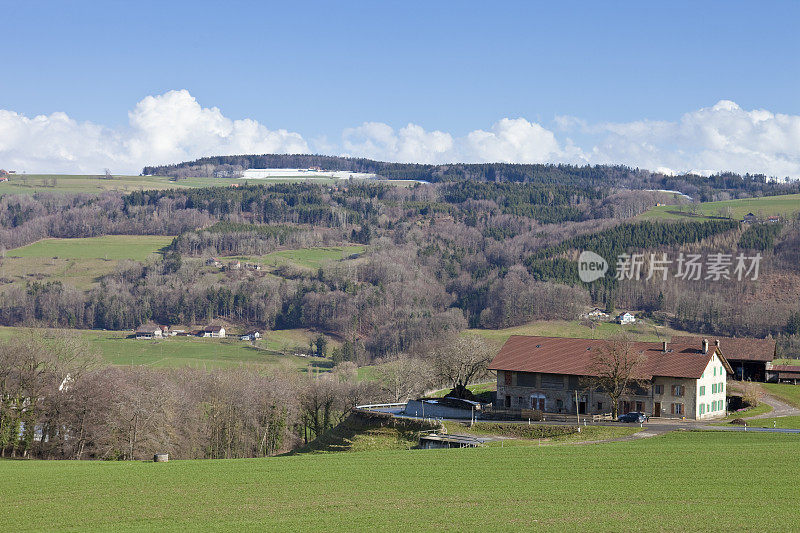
306 258
641 330
278 349
79 263
783 205
96 184
784 391
703 481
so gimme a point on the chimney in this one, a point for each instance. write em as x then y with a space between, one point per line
716 343
705 346
664 346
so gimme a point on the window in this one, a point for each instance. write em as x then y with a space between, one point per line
702 391
599 406
507 376
715 371
677 408
508 402
678 390
658 389
702 409
713 388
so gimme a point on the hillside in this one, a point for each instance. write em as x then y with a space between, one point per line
700 187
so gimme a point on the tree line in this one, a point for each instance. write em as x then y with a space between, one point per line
59 401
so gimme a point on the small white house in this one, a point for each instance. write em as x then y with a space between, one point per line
626 318
251 336
597 313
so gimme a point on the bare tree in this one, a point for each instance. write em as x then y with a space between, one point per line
461 359
616 369
403 377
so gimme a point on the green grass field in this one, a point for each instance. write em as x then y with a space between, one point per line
277 350
79 263
109 247
784 391
783 205
309 258
93 184
32 183
642 330
678 482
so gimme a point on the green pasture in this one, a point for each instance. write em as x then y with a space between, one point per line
107 247
677 482
783 205
277 350
309 258
96 184
79 263
641 330
784 391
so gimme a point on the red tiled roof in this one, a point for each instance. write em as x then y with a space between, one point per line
786 368
737 348
557 355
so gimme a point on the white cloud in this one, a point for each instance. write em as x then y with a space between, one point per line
174 127
167 128
409 144
713 139
509 140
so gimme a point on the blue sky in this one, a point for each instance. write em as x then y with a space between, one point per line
320 69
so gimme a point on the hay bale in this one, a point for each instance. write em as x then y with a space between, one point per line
161 458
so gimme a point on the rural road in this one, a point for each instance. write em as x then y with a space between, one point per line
779 408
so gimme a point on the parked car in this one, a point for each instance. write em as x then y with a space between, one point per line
633 417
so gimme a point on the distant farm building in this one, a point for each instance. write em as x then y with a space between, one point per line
750 218
251 336
149 331
217 332
748 357
626 318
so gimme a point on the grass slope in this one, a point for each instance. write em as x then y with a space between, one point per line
784 391
641 330
783 205
110 247
92 184
681 481
79 263
276 350
307 258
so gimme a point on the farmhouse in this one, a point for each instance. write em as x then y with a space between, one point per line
149 331
676 380
217 332
252 335
597 313
626 318
747 356
750 218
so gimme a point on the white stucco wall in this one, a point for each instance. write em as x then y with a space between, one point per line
712 404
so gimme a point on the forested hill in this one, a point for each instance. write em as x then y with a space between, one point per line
698 187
